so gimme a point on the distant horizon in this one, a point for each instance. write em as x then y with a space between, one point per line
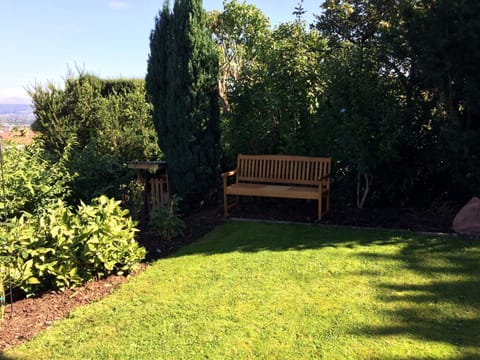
7 107
15 115
16 100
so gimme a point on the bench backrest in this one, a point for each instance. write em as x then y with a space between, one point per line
283 169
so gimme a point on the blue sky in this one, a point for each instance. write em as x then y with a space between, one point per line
40 40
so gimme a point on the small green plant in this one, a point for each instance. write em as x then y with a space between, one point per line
166 220
132 197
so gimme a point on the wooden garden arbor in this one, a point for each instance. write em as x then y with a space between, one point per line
154 176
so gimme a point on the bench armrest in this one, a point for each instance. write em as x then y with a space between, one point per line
229 173
225 176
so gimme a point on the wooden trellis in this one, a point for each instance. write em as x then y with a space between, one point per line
154 176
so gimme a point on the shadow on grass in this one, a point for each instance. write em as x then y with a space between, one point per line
250 237
445 309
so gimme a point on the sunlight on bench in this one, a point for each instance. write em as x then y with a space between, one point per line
280 176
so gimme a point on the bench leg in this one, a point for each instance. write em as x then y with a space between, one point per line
320 209
225 204
328 202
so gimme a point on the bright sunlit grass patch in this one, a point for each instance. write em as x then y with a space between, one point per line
251 290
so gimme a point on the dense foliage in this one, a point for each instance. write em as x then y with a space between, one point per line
384 87
32 181
182 84
422 127
107 122
274 103
238 31
44 243
60 248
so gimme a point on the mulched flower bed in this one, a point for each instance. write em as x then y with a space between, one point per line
437 218
33 315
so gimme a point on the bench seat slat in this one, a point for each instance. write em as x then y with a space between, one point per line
282 191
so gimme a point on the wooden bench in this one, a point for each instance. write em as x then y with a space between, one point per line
280 176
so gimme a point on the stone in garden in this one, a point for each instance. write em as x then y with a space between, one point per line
468 218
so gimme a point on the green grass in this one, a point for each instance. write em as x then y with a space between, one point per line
268 291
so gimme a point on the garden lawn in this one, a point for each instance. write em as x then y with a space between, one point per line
270 291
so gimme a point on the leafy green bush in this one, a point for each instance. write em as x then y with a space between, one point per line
97 173
166 220
109 235
32 180
114 113
110 123
59 248
17 236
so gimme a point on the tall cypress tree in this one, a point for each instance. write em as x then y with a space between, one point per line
182 83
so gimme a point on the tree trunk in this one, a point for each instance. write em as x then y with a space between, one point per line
361 198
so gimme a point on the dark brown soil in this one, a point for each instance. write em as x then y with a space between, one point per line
27 317
30 316
437 218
